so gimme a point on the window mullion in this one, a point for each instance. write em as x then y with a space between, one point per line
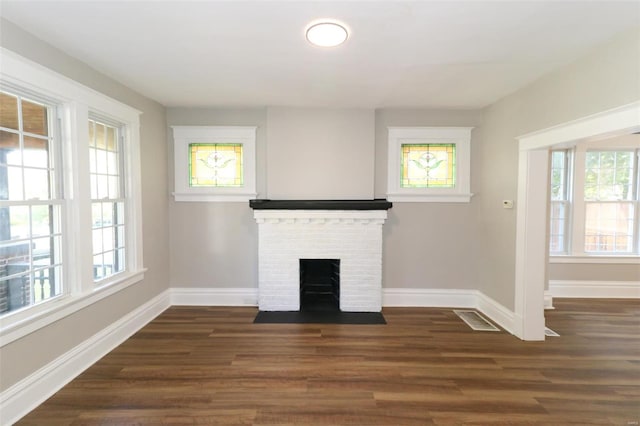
578 225
636 207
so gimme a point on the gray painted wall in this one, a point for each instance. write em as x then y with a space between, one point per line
24 356
320 153
607 78
594 272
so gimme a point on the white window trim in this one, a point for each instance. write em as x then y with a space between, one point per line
574 240
460 136
75 100
185 135
591 258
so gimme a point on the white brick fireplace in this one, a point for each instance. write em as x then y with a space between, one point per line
352 236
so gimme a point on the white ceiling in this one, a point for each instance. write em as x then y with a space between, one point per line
450 54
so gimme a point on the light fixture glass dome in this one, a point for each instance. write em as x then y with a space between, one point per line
326 34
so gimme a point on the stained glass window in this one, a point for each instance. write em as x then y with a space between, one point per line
215 164
428 166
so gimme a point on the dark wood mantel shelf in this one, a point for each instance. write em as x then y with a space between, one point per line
376 204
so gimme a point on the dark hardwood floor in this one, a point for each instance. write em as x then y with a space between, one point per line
198 365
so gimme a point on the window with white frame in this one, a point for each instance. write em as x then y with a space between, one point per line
214 163
560 201
108 199
429 164
69 189
30 202
594 200
610 202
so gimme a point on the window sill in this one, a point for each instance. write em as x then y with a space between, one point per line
612 260
430 198
25 321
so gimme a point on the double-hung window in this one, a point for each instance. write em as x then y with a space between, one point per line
594 200
108 219
611 202
30 202
70 199
560 207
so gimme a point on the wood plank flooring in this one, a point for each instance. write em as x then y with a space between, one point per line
199 365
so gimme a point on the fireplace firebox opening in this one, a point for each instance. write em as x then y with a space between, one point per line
320 284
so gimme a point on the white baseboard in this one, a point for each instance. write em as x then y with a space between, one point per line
548 300
445 298
596 289
431 298
18 400
194 296
391 297
496 312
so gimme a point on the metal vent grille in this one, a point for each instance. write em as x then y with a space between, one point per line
549 332
475 320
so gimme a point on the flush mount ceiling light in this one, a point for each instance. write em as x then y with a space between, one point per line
326 33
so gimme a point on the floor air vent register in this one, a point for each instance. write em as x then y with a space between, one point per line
476 321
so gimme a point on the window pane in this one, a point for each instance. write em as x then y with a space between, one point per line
40 224
98 267
99 141
428 166
10 148
12 189
114 187
92 160
19 223
41 251
558 175
108 261
557 227
111 139
96 215
101 161
609 175
609 227
108 237
120 260
8 141
119 219
97 241
112 163
8 111
107 214
102 183
34 118
36 184
120 241
45 283
215 164
36 152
